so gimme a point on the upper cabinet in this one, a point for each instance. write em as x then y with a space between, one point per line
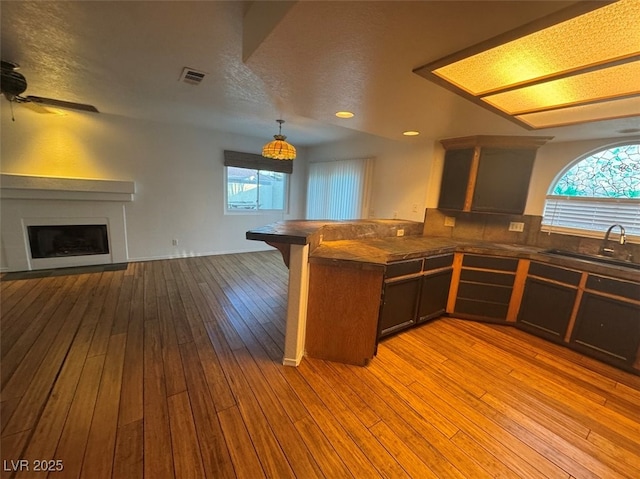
488 173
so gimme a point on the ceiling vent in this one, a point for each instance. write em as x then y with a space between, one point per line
191 76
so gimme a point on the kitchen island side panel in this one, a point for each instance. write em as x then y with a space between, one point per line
342 314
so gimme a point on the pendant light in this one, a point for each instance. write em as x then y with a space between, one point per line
279 149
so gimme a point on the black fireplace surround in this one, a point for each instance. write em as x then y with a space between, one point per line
67 240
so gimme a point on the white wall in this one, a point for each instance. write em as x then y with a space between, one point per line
408 173
179 178
178 172
401 174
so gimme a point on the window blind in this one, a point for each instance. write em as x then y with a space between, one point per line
567 214
339 190
256 162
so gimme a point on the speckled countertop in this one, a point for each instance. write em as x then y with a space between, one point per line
373 244
381 251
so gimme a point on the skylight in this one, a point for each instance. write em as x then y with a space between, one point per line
580 70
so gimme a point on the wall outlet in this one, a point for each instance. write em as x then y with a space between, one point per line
450 221
414 207
400 232
174 242
516 226
395 215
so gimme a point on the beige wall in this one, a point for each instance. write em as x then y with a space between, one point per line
178 173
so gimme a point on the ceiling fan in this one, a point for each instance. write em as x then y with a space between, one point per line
13 84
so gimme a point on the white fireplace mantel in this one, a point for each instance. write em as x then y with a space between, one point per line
31 187
41 200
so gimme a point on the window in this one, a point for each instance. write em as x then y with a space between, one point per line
249 189
596 192
339 190
254 183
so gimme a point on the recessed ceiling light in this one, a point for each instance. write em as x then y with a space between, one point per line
410 133
344 114
567 73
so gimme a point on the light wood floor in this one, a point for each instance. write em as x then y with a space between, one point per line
172 369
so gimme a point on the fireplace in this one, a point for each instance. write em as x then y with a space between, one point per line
53 241
54 222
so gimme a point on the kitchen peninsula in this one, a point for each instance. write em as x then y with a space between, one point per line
353 283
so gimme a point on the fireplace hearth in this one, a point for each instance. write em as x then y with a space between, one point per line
54 241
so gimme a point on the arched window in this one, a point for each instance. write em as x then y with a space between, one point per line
596 192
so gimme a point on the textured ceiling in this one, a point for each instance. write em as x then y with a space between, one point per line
301 61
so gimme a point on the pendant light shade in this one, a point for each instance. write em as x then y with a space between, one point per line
279 149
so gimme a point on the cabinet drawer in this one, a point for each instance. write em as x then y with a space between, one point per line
485 292
553 272
436 262
626 289
490 262
481 308
487 277
403 268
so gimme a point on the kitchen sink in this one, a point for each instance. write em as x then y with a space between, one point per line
594 258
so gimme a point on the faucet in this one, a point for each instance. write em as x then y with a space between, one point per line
604 249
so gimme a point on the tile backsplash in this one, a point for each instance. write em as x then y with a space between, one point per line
495 228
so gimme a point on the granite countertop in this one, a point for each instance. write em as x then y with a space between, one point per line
374 243
314 231
381 251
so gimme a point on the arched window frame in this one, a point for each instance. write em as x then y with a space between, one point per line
594 214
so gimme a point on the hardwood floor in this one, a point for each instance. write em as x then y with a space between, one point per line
173 369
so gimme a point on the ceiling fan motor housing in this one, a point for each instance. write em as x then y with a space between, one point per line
12 83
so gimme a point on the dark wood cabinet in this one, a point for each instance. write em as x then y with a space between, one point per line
455 178
485 287
488 173
399 302
414 291
433 295
608 320
548 300
434 291
503 178
607 328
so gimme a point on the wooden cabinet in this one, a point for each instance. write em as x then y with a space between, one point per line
488 173
414 292
399 302
342 312
399 296
608 321
548 301
434 292
352 306
455 178
484 287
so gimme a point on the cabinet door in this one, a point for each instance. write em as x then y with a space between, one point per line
503 180
399 302
433 295
455 178
607 328
546 309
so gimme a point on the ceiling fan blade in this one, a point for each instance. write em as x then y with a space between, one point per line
35 107
62 104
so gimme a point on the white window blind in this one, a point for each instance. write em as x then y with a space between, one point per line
339 190
590 216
